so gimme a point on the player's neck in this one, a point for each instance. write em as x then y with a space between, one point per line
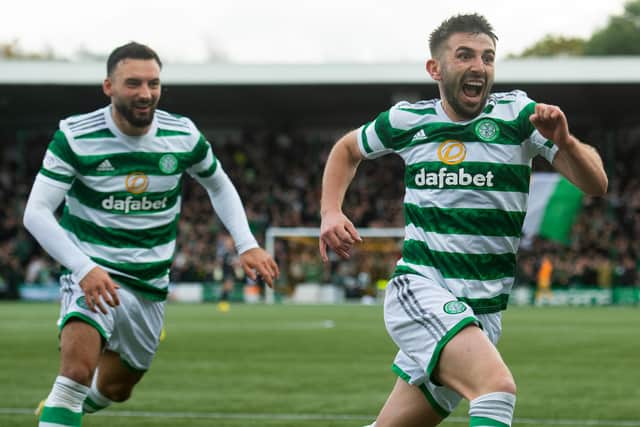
451 112
454 115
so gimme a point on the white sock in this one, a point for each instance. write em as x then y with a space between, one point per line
63 406
95 401
492 410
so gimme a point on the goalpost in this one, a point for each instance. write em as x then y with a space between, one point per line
310 235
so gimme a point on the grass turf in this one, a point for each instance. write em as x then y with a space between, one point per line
316 366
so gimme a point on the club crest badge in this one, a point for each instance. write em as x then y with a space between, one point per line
168 163
82 302
454 307
487 130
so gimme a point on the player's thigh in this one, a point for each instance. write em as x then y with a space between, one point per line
80 345
421 317
471 365
407 407
115 379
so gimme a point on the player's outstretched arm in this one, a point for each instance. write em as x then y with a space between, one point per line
579 163
41 223
336 231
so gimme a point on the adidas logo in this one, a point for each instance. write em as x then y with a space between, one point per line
420 135
105 166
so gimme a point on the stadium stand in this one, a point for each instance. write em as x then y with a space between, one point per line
275 153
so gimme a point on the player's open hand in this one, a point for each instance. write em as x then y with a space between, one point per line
258 261
98 289
551 122
338 233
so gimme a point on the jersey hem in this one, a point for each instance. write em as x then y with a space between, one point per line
478 305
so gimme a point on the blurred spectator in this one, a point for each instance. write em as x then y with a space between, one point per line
544 276
278 176
39 270
626 272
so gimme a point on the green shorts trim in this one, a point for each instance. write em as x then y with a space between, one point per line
403 375
445 339
85 319
103 334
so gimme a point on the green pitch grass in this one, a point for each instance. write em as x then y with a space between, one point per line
323 366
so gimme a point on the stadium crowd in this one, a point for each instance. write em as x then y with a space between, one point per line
278 177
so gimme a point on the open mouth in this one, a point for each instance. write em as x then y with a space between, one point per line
472 89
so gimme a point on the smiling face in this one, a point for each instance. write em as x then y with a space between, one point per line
464 70
134 89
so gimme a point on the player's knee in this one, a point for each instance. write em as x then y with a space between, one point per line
117 392
79 373
503 382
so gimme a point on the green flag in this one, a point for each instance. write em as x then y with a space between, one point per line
554 205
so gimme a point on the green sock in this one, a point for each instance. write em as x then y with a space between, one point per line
492 410
63 407
95 401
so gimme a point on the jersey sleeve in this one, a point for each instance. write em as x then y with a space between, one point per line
535 143
39 219
393 129
375 138
203 162
58 166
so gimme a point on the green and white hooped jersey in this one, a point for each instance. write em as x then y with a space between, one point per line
123 193
466 193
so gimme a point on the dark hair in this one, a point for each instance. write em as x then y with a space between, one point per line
131 50
471 23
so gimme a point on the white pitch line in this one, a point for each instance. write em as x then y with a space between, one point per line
318 417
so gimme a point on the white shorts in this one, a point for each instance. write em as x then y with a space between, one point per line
421 317
131 329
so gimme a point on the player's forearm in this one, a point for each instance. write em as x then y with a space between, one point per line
228 206
41 223
582 165
339 171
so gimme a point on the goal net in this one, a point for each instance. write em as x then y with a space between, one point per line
305 278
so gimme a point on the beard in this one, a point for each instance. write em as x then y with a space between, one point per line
453 87
136 120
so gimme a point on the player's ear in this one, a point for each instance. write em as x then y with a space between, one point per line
106 87
433 68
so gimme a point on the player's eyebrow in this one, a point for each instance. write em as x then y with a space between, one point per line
467 49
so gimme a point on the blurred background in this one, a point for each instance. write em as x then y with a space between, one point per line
273 89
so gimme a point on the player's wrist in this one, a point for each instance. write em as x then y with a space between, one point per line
246 246
81 272
330 210
570 143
